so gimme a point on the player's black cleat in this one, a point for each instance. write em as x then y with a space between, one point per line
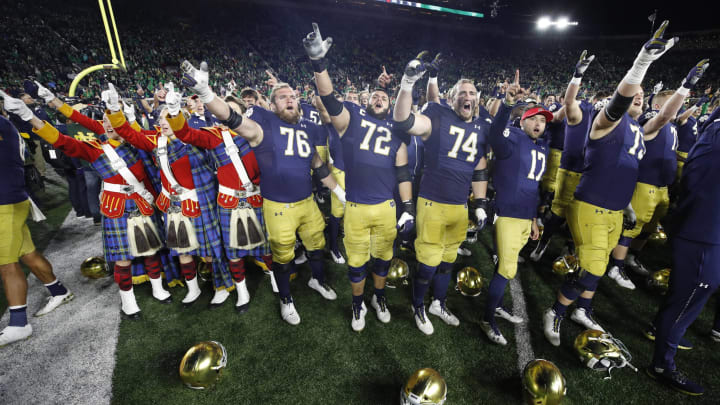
675 380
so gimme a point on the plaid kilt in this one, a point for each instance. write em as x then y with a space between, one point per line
232 253
207 225
170 267
115 235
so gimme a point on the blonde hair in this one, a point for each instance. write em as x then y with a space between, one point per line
454 89
278 87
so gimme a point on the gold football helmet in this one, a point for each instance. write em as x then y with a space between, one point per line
543 383
204 270
398 273
426 386
469 282
601 351
659 236
94 267
565 264
660 280
202 365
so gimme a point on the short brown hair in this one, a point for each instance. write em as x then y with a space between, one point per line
278 87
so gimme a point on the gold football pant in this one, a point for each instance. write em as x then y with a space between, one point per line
549 180
511 234
283 220
15 240
681 158
441 228
336 206
650 204
596 231
566 183
369 231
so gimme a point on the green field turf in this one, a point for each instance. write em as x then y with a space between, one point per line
55 206
322 361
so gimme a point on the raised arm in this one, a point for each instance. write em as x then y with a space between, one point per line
572 107
501 145
197 79
479 189
670 109
67 144
433 90
316 49
405 120
608 119
198 137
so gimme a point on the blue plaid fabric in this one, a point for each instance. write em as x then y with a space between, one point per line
232 253
207 225
115 235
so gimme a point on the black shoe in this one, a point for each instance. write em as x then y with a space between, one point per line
675 380
684 344
97 220
242 308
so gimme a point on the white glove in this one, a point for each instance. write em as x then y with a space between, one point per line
314 44
406 222
197 79
651 51
44 93
129 111
481 216
658 87
340 194
413 72
169 86
173 101
17 107
111 98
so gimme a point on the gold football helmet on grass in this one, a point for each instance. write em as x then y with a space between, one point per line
94 267
469 282
202 365
543 383
425 387
601 351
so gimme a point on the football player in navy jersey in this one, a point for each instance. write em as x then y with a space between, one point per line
454 160
284 147
602 198
657 171
687 135
696 258
520 161
370 152
579 118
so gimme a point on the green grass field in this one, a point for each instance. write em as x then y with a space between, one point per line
322 361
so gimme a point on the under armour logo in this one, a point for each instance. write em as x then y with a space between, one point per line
703 285
597 211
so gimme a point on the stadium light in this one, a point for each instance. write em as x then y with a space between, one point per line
544 23
560 24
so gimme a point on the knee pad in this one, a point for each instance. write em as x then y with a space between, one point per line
625 241
357 274
424 273
381 267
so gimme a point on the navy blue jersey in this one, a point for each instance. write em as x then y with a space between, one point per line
659 165
573 156
452 151
611 166
201 121
555 131
697 213
483 114
12 147
284 156
369 149
311 113
687 135
321 137
519 166
335 148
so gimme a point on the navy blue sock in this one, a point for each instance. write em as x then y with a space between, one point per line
56 288
585 303
441 281
333 232
559 308
495 296
551 226
617 262
380 292
421 283
18 316
315 258
281 272
357 299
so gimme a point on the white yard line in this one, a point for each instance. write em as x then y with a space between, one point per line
70 357
522 332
